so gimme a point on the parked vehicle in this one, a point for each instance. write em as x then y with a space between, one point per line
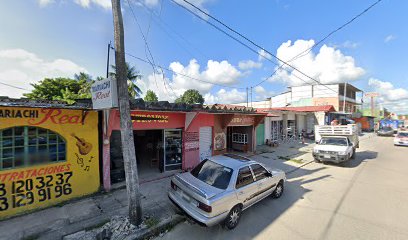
218 189
350 131
401 139
386 131
335 149
389 123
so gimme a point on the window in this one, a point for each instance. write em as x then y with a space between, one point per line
259 172
240 138
213 174
244 177
26 146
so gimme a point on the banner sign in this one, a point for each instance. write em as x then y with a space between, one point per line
104 94
46 156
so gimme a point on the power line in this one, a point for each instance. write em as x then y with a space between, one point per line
241 35
306 51
9 85
181 74
162 24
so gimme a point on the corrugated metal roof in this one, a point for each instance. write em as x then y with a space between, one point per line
25 102
325 108
135 104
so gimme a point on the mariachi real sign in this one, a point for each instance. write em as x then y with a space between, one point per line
104 94
45 157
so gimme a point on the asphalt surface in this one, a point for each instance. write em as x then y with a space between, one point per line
366 199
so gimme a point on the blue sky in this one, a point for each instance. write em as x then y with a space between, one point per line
49 38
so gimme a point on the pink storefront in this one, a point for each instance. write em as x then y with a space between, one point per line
167 140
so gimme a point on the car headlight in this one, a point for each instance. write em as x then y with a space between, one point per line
341 153
316 150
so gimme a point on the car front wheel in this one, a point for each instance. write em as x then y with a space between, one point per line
278 190
233 217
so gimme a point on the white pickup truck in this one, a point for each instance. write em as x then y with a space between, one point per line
335 143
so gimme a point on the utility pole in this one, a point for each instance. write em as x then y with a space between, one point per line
251 96
344 97
247 95
126 129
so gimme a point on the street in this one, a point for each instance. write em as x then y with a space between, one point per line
366 199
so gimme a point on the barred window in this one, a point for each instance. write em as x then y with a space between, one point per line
26 146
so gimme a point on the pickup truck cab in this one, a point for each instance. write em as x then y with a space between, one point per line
334 149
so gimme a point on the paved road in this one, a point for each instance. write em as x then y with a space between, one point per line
368 199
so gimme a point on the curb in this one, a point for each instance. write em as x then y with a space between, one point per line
156 230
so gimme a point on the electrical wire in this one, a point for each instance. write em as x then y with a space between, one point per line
181 74
9 85
308 50
241 35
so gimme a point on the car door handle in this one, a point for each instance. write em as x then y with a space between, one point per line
241 193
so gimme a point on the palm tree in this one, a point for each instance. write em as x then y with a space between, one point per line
132 76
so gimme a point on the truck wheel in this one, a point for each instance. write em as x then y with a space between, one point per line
316 160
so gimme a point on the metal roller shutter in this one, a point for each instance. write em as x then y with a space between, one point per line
205 142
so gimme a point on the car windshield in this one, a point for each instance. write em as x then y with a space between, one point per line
387 129
213 174
333 141
403 134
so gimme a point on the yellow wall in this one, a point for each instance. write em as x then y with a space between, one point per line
28 188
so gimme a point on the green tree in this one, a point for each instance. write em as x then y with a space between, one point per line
64 89
151 96
191 96
132 76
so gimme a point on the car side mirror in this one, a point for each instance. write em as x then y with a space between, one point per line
269 174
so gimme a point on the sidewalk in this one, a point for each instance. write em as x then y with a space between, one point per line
86 213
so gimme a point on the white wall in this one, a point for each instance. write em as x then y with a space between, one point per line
281 100
301 92
326 90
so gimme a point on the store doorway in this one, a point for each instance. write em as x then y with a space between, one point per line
239 138
149 151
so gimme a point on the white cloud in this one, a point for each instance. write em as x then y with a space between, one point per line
349 44
19 67
44 3
393 98
261 93
263 55
171 87
327 66
249 64
387 90
389 38
106 4
224 96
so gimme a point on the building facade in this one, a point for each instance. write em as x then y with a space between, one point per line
172 137
47 152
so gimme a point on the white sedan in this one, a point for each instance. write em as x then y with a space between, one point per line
401 139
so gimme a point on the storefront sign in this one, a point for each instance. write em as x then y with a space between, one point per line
46 156
242 121
149 118
191 141
104 94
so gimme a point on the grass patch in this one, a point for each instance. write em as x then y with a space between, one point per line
151 222
284 158
298 161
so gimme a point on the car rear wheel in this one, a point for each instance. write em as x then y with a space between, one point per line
233 217
277 193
